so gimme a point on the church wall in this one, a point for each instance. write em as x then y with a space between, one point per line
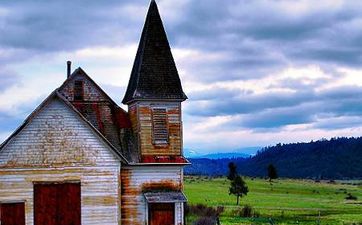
139 179
57 146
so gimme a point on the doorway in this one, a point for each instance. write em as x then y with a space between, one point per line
57 204
162 213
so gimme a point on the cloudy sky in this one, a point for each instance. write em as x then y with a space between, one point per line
256 72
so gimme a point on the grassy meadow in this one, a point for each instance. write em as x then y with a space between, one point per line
287 202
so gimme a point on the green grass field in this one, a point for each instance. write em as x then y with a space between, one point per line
289 201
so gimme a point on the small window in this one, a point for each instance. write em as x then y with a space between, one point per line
159 126
12 213
78 90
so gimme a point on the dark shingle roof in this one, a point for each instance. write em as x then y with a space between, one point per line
154 75
165 197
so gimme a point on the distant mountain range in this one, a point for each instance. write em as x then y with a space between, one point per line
239 153
210 167
337 158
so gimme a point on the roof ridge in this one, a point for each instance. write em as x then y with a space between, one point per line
141 56
80 70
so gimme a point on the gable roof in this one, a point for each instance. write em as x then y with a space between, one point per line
154 74
80 71
106 116
56 94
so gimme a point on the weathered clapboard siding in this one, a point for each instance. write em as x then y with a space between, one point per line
141 115
138 179
56 137
99 190
58 146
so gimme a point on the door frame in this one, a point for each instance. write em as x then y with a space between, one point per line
58 182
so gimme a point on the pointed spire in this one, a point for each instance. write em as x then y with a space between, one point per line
154 74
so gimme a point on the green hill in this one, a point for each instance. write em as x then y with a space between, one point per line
337 158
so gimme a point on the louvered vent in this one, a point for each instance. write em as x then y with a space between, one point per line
78 90
159 126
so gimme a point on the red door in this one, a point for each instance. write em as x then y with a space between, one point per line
57 204
12 214
162 214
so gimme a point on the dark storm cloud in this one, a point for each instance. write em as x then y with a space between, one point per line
276 36
248 36
277 118
66 25
258 36
248 103
253 38
275 110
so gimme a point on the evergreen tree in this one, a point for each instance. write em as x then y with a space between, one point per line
272 172
232 171
238 188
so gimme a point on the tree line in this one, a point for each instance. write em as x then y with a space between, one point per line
337 158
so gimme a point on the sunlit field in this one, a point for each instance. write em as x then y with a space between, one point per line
286 201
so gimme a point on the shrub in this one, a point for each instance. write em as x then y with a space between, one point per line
207 215
351 197
203 210
205 221
246 212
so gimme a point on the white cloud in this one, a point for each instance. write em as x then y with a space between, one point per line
216 140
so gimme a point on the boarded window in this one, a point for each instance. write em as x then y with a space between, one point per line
12 213
159 126
78 90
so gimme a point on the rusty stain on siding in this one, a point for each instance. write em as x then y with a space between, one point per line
162 185
136 180
129 211
141 114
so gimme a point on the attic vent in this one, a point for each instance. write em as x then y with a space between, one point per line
159 126
78 90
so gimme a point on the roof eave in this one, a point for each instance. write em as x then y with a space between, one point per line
132 100
160 164
26 121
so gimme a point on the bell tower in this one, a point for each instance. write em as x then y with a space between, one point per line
154 93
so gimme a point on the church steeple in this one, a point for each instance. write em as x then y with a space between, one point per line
154 74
